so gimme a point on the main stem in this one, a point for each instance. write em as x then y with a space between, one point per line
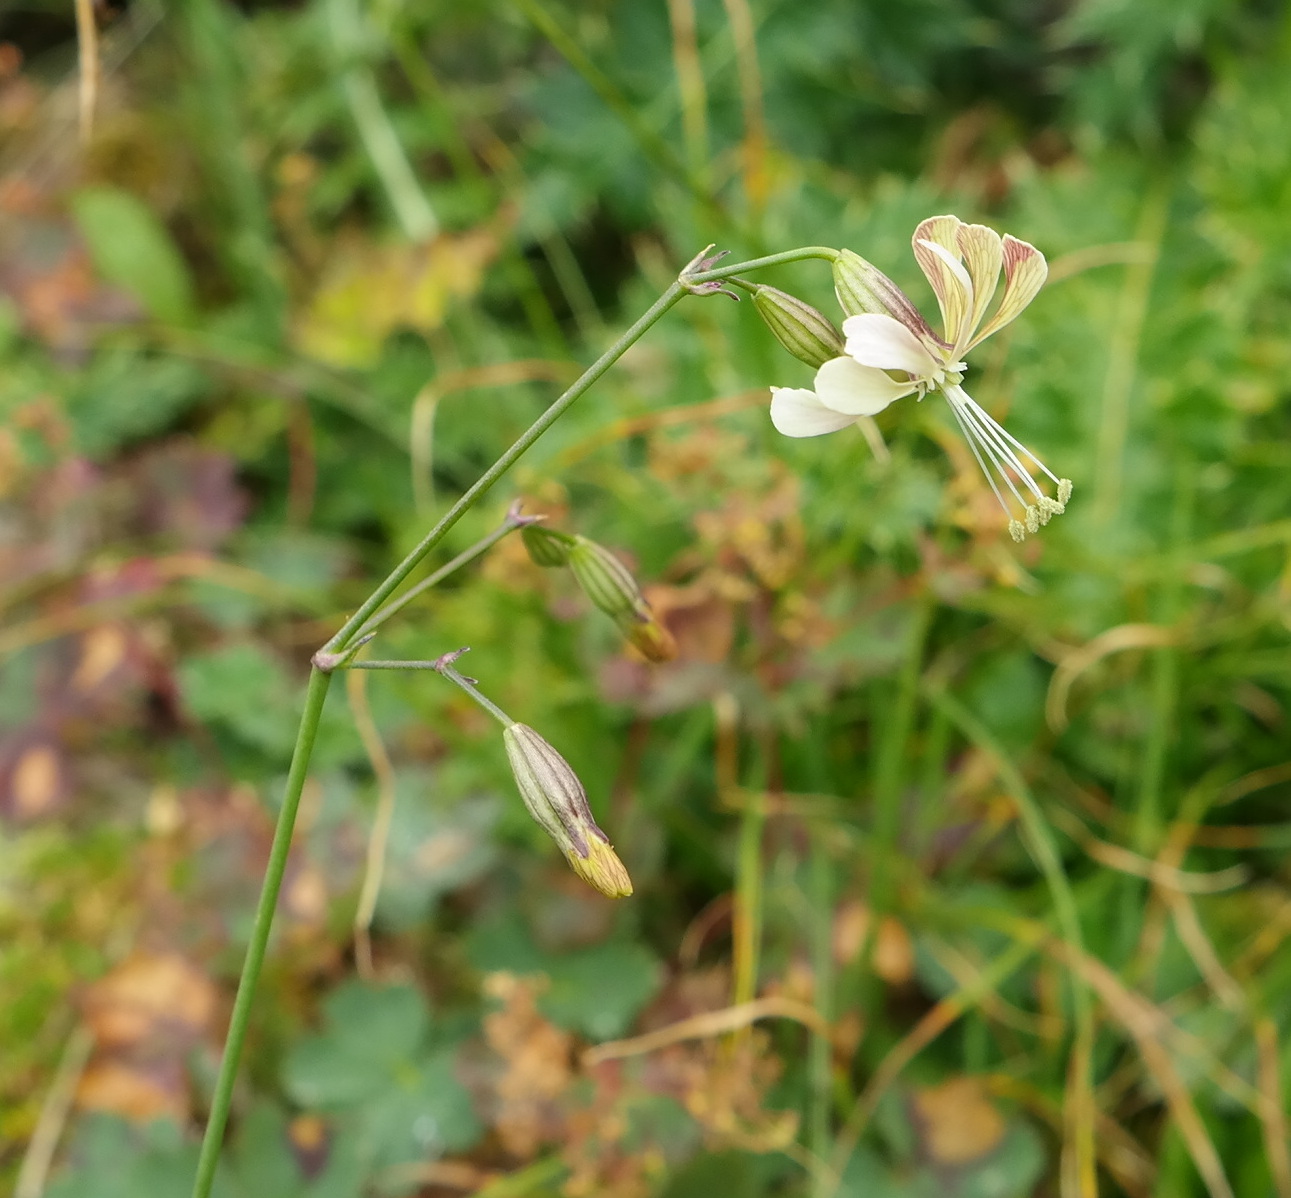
223 1096
326 659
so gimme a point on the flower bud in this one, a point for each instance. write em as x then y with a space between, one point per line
649 638
556 800
605 580
609 584
862 288
546 546
806 333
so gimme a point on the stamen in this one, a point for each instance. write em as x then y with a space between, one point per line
994 449
974 437
1008 436
972 444
987 428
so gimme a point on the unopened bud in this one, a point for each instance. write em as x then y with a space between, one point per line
862 287
609 584
806 333
546 546
557 801
605 580
649 638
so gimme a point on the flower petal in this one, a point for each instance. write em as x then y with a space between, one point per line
1025 271
846 386
885 343
799 413
983 256
936 248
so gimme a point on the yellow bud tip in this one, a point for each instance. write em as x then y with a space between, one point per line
602 869
652 640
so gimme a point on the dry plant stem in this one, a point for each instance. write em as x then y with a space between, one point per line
53 1115
357 627
87 43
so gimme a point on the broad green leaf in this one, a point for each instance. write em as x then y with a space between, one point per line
132 249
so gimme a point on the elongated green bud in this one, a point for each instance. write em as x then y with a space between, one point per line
862 287
609 584
605 580
806 333
546 546
557 801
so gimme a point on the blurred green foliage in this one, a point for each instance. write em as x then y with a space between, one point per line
250 346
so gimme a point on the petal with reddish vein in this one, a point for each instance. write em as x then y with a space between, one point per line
983 256
1025 271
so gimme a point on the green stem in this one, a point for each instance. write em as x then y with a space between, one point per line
798 255
223 1096
513 521
470 498
444 667
374 611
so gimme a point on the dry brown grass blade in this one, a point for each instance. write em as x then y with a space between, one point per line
1146 1026
53 1115
378 838
691 88
1275 930
87 45
1193 937
173 568
710 1023
966 973
929 1027
1078 1167
1124 1158
1273 1116
1256 780
1164 874
1115 253
753 150
1077 661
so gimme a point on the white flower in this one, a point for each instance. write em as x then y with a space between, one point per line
891 351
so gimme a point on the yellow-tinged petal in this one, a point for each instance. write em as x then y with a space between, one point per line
602 868
983 256
1025 271
848 387
936 249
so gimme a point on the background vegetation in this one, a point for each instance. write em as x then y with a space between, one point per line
995 836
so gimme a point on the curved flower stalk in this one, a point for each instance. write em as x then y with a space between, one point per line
891 351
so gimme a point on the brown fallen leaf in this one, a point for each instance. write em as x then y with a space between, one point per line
957 1120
